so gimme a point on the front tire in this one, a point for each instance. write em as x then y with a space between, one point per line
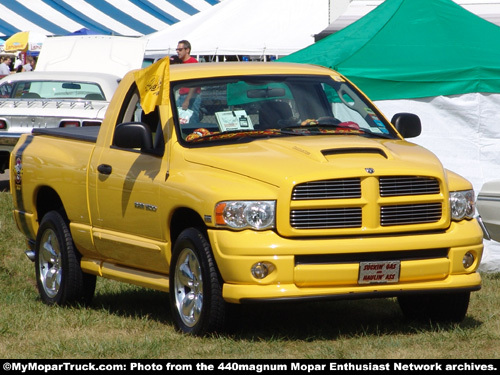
449 307
195 286
60 279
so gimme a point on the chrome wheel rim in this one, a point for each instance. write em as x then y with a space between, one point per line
50 264
188 287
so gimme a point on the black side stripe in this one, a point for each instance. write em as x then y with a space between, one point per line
18 189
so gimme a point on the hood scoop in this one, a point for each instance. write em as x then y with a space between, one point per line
354 151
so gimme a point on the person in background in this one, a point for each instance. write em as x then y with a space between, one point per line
18 63
188 97
30 66
184 52
175 60
5 66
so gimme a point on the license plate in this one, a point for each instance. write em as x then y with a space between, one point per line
379 272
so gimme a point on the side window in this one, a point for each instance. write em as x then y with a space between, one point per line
20 89
128 112
132 112
6 90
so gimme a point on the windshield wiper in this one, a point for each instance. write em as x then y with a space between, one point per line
318 127
236 134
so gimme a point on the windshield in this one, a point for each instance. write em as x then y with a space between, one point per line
52 90
265 106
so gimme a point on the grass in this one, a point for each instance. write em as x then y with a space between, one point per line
126 321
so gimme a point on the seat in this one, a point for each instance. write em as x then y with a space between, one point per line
30 95
94 97
271 112
152 120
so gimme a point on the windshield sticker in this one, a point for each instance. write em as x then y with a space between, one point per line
380 127
184 115
234 120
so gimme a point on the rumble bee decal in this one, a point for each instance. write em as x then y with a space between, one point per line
18 168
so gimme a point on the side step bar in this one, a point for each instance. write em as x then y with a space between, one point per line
30 254
126 274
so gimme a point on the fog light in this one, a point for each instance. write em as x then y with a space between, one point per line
468 260
262 269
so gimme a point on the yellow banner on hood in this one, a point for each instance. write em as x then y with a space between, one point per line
153 84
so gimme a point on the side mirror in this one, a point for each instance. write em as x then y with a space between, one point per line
407 124
133 135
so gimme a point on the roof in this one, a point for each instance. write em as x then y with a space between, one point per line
108 17
61 76
179 72
413 49
192 71
356 9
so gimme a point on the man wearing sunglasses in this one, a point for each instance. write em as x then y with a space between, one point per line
189 98
184 52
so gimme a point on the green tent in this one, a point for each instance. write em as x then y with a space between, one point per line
413 49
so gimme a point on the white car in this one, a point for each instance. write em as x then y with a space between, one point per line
50 100
58 93
488 206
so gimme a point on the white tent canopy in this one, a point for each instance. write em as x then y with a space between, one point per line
246 27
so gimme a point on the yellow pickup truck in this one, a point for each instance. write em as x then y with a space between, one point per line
250 183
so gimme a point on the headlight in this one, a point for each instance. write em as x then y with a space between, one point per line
246 214
463 204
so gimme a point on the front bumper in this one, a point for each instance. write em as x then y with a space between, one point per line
330 274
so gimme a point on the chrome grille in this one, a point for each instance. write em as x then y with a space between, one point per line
410 214
348 217
407 185
328 189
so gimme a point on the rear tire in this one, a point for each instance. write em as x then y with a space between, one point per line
449 307
60 279
195 286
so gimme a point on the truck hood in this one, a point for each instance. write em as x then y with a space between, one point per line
318 157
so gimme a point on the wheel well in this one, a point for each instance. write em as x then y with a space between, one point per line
48 200
185 218
4 160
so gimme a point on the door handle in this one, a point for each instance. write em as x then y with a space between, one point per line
105 169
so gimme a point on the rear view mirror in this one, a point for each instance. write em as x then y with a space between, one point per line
71 86
265 93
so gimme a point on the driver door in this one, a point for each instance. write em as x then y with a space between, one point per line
128 225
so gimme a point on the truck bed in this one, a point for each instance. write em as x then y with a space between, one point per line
88 133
